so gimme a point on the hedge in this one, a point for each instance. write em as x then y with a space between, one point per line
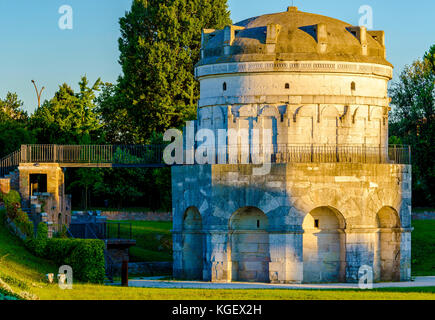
85 256
37 245
12 202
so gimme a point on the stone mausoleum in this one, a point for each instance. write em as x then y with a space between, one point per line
337 197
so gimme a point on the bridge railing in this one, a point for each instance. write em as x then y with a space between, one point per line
93 154
285 153
9 163
152 155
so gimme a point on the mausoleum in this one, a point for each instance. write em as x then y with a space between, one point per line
337 197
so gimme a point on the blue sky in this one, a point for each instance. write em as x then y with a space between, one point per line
32 46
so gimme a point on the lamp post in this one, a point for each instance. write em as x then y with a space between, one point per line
38 94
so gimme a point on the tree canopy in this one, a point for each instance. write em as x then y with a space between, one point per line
413 122
69 117
159 46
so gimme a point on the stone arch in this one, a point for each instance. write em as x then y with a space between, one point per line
248 110
270 111
328 125
249 243
389 241
329 111
303 111
300 126
193 244
377 112
219 118
324 248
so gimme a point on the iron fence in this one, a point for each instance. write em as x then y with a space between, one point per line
93 154
9 163
152 155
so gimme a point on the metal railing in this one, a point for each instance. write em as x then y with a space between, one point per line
93 154
285 153
104 230
119 230
152 155
9 163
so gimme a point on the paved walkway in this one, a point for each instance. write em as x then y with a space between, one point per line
156 283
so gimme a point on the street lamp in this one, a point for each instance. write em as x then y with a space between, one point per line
38 94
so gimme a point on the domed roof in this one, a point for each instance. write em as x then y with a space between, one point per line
293 36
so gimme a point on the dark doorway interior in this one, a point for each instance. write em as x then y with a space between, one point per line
38 183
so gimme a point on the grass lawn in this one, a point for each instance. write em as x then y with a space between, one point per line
85 292
423 248
154 240
25 275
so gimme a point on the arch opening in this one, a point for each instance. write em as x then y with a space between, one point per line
389 244
249 240
324 253
193 245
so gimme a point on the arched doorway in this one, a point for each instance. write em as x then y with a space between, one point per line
389 244
249 245
324 246
192 244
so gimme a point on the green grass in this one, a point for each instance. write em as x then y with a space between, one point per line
423 248
19 269
86 292
153 240
25 275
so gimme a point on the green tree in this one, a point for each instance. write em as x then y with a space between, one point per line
11 108
86 179
13 125
117 127
430 57
160 44
413 121
69 117
121 185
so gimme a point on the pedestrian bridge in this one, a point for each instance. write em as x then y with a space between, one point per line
85 156
151 156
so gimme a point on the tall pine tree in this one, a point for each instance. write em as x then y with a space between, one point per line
160 44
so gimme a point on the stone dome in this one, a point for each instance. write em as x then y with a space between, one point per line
293 36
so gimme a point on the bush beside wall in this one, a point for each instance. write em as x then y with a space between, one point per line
85 256
12 203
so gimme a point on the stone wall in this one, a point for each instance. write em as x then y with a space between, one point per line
356 193
55 202
5 185
424 215
147 268
137 216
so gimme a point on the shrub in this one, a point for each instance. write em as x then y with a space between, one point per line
63 233
23 223
37 245
87 261
12 201
85 256
10 198
2 216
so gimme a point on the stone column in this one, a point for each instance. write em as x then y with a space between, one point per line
177 268
361 247
5 185
217 262
286 255
405 255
